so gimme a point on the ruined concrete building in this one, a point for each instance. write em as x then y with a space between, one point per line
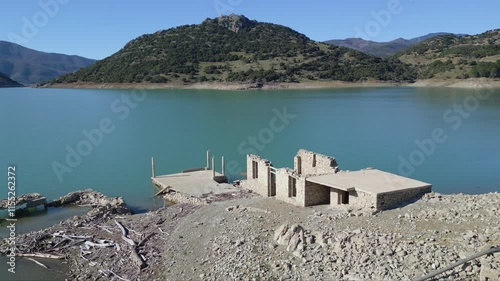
316 180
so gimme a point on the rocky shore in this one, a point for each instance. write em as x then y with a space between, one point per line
472 83
247 237
225 86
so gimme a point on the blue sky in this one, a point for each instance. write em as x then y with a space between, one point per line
98 28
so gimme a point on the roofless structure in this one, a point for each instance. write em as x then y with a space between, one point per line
316 180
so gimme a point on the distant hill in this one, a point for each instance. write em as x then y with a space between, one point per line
235 49
382 49
28 66
451 56
6 82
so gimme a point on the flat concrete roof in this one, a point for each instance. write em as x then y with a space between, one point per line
195 183
370 180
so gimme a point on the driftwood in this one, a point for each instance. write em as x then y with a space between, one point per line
145 239
138 259
101 244
117 276
163 190
94 242
37 262
134 254
61 242
105 229
41 255
125 234
442 270
70 237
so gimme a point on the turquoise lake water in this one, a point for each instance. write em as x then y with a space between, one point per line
114 134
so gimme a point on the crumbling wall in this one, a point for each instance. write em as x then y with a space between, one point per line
282 184
301 189
360 199
310 163
262 183
282 187
391 199
316 194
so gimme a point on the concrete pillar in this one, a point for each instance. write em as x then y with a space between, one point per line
208 160
299 165
153 167
223 167
213 166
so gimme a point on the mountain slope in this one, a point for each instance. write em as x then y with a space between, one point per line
29 66
6 82
451 56
381 49
235 49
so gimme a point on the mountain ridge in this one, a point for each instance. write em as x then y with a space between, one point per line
6 82
28 66
383 49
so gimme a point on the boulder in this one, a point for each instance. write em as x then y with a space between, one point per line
290 236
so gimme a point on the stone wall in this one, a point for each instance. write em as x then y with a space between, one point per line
282 187
316 194
310 163
391 199
261 184
301 196
255 187
359 199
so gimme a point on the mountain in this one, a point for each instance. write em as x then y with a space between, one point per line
235 49
452 56
382 49
28 66
6 82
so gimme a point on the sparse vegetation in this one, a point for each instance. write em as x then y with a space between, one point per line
455 56
236 49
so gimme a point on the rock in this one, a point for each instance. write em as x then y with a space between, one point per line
292 237
490 268
321 239
311 240
280 232
293 244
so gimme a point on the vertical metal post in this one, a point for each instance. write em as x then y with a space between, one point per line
223 167
153 166
213 166
208 160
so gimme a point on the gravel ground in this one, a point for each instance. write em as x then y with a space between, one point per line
247 237
241 240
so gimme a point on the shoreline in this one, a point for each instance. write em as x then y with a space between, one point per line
472 83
